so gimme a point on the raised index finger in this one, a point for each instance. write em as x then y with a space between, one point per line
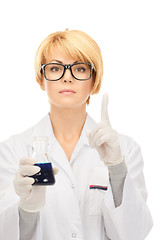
104 109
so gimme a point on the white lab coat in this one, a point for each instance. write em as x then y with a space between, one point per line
73 210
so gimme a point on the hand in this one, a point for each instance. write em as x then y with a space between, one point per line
104 138
32 198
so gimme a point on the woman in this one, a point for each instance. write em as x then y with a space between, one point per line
100 190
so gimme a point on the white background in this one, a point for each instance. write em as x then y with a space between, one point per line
128 33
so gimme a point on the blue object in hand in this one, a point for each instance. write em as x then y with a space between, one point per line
45 176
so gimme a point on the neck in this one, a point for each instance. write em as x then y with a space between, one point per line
67 123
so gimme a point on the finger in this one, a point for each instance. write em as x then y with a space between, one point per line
25 181
104 109
27 161
29 170
97 136
55 170
98 128
96 133
110 139
107 138
24 192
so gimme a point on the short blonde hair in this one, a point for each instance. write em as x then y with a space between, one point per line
76 44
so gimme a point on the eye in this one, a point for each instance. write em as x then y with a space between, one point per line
55 69
80 69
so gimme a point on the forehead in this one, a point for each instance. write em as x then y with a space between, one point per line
63 55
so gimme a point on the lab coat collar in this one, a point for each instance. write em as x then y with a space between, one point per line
44 128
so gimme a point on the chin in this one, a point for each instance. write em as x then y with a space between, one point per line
68 102
68 105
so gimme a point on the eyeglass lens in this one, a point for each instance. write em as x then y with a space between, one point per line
80 71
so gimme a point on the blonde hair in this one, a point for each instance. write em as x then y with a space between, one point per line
76 44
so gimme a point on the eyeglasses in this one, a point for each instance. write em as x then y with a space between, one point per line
55 71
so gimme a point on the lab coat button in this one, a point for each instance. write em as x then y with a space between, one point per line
73 235
72 186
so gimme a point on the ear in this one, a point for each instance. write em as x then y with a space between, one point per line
42 86
92 85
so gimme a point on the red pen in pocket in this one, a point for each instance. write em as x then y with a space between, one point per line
98 187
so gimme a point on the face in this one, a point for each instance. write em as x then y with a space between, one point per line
81 89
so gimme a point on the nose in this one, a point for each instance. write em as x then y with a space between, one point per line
67 76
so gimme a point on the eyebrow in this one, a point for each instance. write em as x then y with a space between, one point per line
55 60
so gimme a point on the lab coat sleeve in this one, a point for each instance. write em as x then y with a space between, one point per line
9 214
8 199
132 219
28 224
117 175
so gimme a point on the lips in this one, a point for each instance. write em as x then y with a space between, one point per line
67 90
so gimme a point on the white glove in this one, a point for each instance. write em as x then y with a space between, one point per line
32 198
104 138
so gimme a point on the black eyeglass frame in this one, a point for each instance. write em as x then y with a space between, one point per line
66 66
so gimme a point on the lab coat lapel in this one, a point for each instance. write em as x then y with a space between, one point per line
59 158
83 140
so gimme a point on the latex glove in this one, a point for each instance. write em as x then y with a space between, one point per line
104 138
32 198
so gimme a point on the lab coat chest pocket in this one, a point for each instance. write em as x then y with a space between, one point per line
99 182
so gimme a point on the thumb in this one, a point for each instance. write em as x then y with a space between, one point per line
55 170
